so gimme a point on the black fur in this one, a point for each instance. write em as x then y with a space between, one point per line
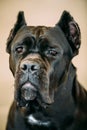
19 23
64 23
47 94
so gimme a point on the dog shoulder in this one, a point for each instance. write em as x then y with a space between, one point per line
80 98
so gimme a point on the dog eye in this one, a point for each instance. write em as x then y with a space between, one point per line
19 50
53 52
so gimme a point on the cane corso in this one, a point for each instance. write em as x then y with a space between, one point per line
47 95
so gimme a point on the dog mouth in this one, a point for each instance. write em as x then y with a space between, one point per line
28 91
26 94
29 97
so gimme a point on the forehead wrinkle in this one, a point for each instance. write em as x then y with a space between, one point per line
34 31
39 31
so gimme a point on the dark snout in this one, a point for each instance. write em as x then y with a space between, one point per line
32 81
29 67
29 90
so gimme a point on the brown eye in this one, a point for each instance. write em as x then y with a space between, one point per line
19 50
53 52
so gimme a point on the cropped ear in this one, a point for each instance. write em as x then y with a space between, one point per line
71 31
19 23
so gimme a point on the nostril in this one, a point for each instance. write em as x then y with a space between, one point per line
29 67
33 68
24 67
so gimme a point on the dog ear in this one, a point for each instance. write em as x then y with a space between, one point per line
71 31
19 23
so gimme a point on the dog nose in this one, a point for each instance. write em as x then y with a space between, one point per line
26 67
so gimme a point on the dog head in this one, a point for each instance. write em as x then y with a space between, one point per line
40 57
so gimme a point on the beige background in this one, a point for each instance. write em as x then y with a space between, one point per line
37 12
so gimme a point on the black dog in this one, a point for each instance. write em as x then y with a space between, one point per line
47 94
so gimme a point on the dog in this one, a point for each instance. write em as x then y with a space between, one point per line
47 94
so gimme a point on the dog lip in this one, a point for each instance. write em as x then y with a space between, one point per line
28 85
28 91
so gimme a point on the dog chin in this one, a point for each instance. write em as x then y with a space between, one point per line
28 91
